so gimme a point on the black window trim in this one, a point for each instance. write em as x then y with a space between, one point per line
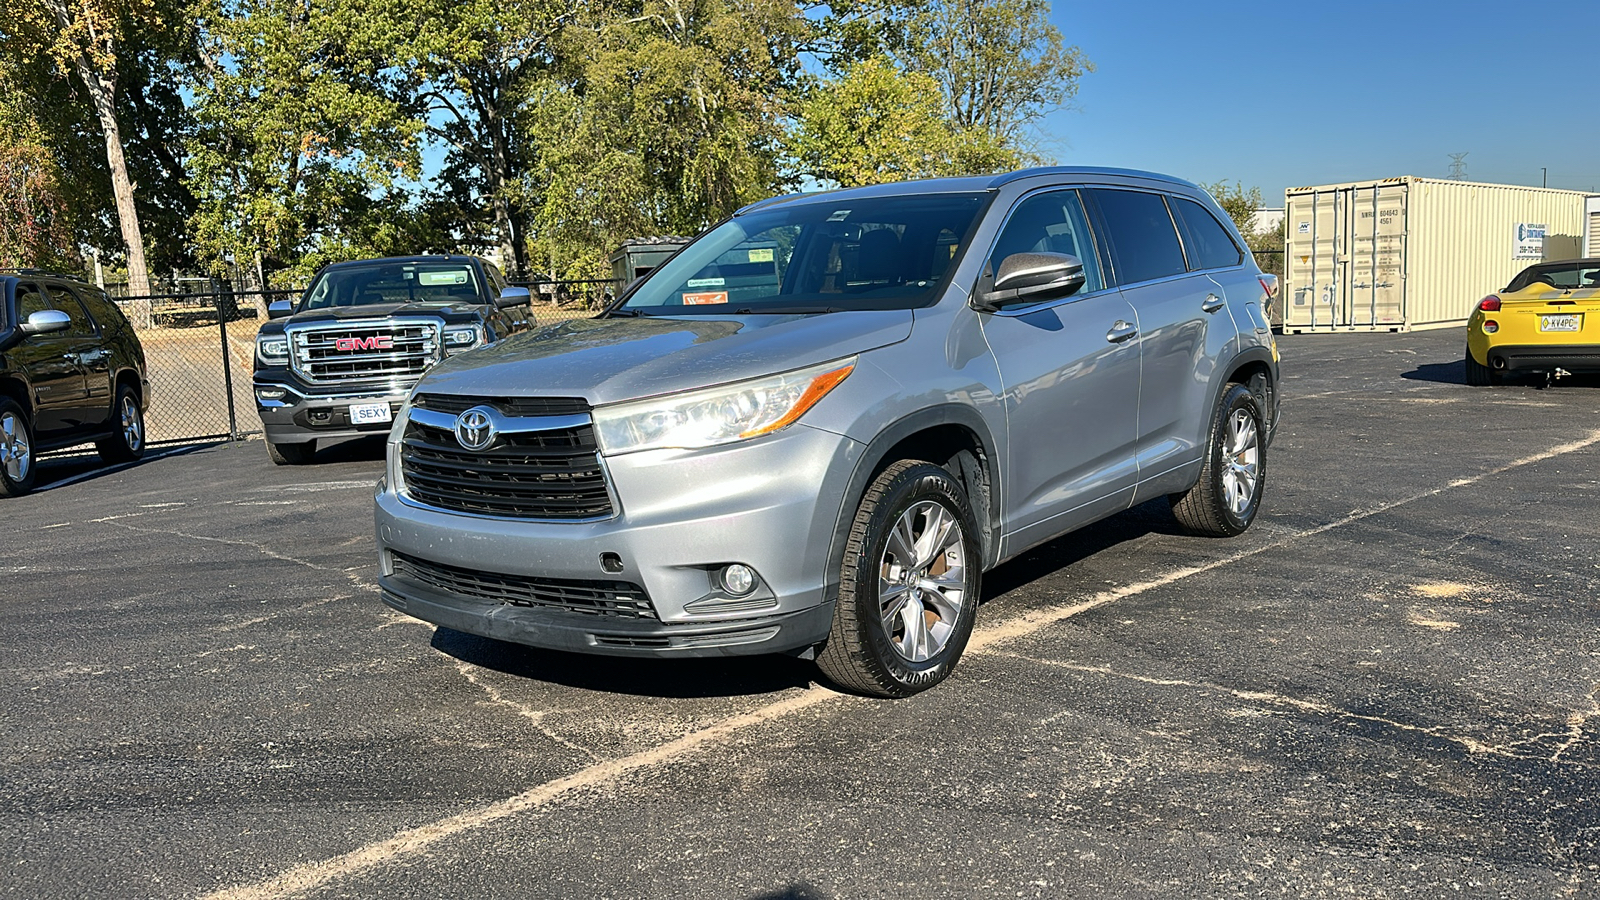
73 293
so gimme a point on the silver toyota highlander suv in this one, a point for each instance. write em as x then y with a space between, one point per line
815 427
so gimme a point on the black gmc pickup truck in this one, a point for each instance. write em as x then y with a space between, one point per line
340 362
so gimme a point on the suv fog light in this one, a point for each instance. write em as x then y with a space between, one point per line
271 393
738 579
1490 326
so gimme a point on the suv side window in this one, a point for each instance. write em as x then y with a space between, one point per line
29 301
1144 242
1210 247
103 310
63 298
1053 222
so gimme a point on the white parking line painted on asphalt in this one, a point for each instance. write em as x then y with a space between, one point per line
314 486
107 470
310 876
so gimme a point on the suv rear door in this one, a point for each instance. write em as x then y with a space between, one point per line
81 344
1184 327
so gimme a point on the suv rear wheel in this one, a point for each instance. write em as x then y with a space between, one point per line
297 454
16 450
126 441
908 594
1224 501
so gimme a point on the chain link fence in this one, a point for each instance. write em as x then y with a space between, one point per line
199 349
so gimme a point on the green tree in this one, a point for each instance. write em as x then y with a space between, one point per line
33 210
1000 64
877 123
301 155
659 117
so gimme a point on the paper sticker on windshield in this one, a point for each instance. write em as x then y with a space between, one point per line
762 255
705 298
706 282
839 215
437 278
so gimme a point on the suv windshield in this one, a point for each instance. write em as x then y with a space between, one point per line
818 256
393 283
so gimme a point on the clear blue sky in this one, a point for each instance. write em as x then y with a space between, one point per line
1290 93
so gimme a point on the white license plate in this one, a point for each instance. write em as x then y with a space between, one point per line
368 413
1564 322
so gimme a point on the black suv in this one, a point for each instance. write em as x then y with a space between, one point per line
343 358
71 371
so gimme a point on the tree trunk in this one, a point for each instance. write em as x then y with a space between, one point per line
102 88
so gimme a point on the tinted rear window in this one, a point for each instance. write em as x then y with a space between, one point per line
1210 247
1144 242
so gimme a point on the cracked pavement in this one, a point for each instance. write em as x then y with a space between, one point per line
1389 687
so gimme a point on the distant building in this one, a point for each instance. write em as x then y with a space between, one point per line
1266 218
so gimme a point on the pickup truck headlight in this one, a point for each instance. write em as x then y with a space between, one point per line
459 339
272 348
719 415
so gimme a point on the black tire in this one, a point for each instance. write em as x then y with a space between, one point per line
862 653
1212 507
1480 375
297 454
18 459
126 441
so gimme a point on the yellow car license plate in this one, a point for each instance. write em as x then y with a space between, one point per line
1563 322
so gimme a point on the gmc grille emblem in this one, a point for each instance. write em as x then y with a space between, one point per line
475 428
376 342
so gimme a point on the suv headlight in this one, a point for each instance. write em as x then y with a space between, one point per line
272 348
719 415
459 339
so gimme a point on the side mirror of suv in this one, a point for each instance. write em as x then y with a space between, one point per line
45 321
513 296
280 309
1032 277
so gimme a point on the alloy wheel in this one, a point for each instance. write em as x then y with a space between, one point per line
16 457
1243 458
922 580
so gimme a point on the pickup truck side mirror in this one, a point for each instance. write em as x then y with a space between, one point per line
280 309
45 321
513 296
1032 277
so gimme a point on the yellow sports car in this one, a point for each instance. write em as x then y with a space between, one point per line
1546 321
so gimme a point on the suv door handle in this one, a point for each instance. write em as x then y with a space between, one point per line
1213 303
1122 331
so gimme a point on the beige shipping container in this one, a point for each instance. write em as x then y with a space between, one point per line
1409 253
1591 226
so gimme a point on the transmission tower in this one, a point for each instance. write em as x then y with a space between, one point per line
1458 167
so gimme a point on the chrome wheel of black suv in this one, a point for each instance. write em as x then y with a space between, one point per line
16 450
127 442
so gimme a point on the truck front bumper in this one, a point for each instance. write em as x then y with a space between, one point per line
290 414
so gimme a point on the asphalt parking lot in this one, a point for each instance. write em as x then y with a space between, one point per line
1389 687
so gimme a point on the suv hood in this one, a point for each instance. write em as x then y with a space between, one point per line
611 360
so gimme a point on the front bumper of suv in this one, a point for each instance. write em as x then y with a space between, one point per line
291 414
644 581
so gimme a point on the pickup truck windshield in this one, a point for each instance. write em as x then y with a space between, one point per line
816 256
393 283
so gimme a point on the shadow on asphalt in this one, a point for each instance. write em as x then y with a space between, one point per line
732 676
746 675
361 449
81 466
1443 373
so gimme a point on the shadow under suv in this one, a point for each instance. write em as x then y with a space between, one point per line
72 370
814 428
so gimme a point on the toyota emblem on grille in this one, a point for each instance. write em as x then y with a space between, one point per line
475 428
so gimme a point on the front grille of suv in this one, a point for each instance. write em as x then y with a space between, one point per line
548 473
614 599
396 350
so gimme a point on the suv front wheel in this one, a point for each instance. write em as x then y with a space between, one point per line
16 450
908 594
296 454
1224 501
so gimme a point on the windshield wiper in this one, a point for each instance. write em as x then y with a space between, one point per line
787 310
626 312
